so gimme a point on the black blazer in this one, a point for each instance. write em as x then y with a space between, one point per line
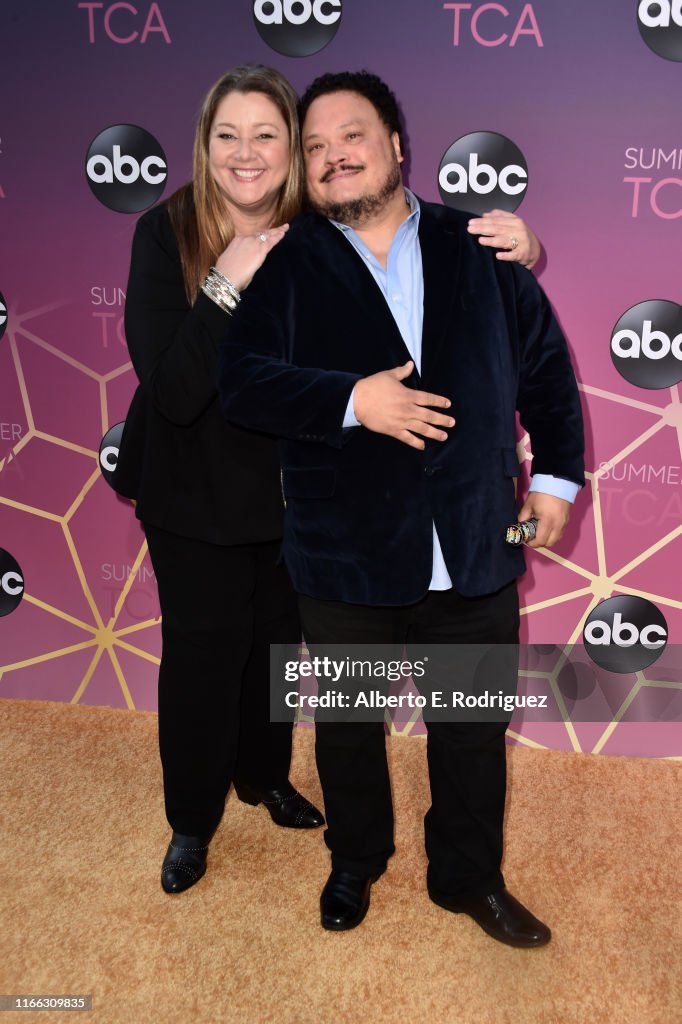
360 505
191 472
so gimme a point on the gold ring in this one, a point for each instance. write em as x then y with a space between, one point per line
513 242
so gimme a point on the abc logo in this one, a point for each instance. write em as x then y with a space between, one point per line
11 583
297 28
625 634
3 315
126 168
646 344
483 171
660 26
108 451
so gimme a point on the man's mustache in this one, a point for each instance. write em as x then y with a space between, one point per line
342 167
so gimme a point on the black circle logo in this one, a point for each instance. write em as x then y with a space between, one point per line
625 634
297 28
660 26
646 344
483 171
108 451
11 583
3 314
126 168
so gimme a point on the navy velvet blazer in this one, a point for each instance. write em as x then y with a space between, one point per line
360 505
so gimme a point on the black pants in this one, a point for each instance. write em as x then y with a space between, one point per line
467 761
222 607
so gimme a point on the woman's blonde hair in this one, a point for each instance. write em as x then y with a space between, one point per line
200 219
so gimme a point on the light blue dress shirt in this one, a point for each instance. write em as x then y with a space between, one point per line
402 285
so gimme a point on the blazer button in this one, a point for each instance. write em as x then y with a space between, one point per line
430 470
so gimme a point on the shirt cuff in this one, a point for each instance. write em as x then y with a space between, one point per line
350 420
554 485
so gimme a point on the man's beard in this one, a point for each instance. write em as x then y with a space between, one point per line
356 212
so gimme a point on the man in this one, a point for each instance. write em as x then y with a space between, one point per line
399 483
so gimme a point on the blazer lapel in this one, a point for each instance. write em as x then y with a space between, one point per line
353 276
441 259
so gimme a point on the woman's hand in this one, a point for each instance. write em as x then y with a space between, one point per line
245 254
501 229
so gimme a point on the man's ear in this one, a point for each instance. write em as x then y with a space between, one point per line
395 142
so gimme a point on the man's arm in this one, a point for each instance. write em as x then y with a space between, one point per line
262 388
549 408
547 398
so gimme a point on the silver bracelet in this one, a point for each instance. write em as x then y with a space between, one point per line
226 282
221 291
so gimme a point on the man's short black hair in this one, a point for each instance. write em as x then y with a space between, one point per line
365 84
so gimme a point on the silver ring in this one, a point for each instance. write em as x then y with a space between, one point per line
263 237
513 242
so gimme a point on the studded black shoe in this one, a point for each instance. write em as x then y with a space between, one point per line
287 807
184 863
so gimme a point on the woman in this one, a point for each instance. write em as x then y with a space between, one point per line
208 494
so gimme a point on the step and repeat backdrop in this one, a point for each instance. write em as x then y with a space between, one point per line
565 113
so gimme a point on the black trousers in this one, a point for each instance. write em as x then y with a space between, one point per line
222 607
467 761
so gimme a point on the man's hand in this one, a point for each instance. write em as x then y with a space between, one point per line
386 406
500 230
552 515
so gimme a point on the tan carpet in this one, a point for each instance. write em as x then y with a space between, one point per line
593 847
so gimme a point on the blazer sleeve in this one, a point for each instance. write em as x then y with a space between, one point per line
261 386
173 346
547 399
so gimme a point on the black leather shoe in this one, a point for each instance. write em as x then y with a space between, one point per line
501 916
286 805
184 863
345 900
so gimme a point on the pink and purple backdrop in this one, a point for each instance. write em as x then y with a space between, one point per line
573 85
